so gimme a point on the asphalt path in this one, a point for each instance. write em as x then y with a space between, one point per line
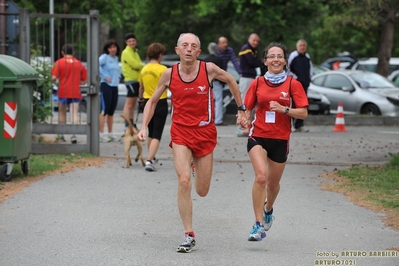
109 215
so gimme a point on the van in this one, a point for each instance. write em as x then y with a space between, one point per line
370 64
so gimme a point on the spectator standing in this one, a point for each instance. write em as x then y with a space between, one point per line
217 86
193 133
300 67
131 67
149 77
249 62
268 142
226 53
110 74
71 73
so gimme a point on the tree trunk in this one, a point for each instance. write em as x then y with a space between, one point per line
386 43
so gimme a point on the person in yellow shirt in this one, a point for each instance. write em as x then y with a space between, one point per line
148 78
131 67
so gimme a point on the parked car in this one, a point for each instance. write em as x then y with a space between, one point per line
394 77
361 92
319 69
318 103
370 64
343 61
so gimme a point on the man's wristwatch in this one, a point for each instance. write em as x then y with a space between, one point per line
287 109
242 108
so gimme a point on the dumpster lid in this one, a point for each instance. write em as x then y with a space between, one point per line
12 69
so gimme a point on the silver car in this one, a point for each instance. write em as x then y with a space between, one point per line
361 92
394 77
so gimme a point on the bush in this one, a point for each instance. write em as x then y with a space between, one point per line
42 94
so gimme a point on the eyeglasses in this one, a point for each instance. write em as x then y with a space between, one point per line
273 56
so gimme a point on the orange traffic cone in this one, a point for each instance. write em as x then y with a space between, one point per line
339 120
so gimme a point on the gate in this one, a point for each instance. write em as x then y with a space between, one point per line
41 39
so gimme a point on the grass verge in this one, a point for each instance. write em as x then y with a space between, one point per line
379 183
372 187
44 163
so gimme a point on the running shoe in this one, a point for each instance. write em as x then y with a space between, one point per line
74 140
112 137
60 138
149 166
105 138
257 232
268 219
188 244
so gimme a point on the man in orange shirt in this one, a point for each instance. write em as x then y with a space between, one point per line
71 73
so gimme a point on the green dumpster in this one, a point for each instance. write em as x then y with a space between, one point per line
17 80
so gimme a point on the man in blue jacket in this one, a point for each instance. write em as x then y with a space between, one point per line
249 62
226 54
250 66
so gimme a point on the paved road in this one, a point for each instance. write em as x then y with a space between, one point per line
110 215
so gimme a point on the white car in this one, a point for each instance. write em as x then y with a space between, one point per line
361 92
394 77
370 64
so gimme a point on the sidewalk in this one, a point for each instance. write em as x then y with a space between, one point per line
110 215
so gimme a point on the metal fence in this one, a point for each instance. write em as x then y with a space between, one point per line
41 38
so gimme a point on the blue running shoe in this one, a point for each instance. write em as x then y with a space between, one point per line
268 219
257 232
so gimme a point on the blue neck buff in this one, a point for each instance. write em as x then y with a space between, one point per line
276 78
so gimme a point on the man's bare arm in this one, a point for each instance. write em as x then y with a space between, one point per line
215 72
149 108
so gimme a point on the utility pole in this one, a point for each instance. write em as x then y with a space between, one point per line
52 32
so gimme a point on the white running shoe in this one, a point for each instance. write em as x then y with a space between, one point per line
105 138
188 244
268 219
149 166
113 137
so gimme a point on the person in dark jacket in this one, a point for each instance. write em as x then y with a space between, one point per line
300 67
249 62
226 53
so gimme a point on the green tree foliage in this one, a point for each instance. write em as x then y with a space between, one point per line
355 26
235 19
114 12
329 26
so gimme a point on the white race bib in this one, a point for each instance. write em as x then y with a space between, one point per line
270 117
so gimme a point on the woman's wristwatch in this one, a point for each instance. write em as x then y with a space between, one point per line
242 108
287 109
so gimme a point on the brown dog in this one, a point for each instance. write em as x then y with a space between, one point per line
129 140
